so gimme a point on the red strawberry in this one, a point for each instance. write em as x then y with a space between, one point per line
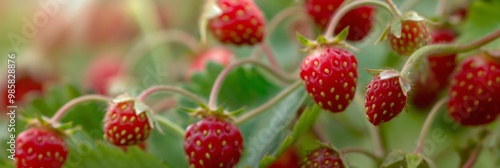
101 71
441 67
40 147
323 158
414 34
359 20
24 85
212 142
122 125
330 75
385 98
219 55
289 159
475 91
241 22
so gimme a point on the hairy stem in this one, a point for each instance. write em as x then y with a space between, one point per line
394 8
428 123
360 151
66 107
473 157
408 4
421 53
170 125
269 103
343 10
218 82
146 93
155 39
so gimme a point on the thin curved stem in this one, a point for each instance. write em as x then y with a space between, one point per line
441 9
360 151
155 39
408 4
394 8
423 52
66 107
271 57
218 82
146 93
280 17
428 123
170 125
472 158
164 104
374 131
342 11
268 104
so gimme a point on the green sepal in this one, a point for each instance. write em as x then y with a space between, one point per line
395 159
412 16
384 34
237 111
304 41
321 40
396 27
374 71
342 35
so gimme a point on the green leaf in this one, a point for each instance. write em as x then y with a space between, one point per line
384 34
84 153
270 129
304 123
480 22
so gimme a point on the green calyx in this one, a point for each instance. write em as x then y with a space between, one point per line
204 111
60 129
338 40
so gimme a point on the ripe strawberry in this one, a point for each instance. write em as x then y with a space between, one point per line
213 142
385 98
330 75
289 159
441 67
101 71
219 55
414 34
122 125
323 158
475 91
40 147
241 22
359 20
24 85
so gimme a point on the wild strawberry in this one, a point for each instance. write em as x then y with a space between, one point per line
475 91
213 142
323 157
289 159
241 22
40 147
330 76
410 36
385 97
123 126
219 55
441 67
360 19
101 71
24 85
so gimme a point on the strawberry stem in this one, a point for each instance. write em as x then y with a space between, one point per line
346 8
394 8
428 123
281 16
268 104
154 39
218 82
421 53
146 93
441 9
361 151
271 57
65 108
170 125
